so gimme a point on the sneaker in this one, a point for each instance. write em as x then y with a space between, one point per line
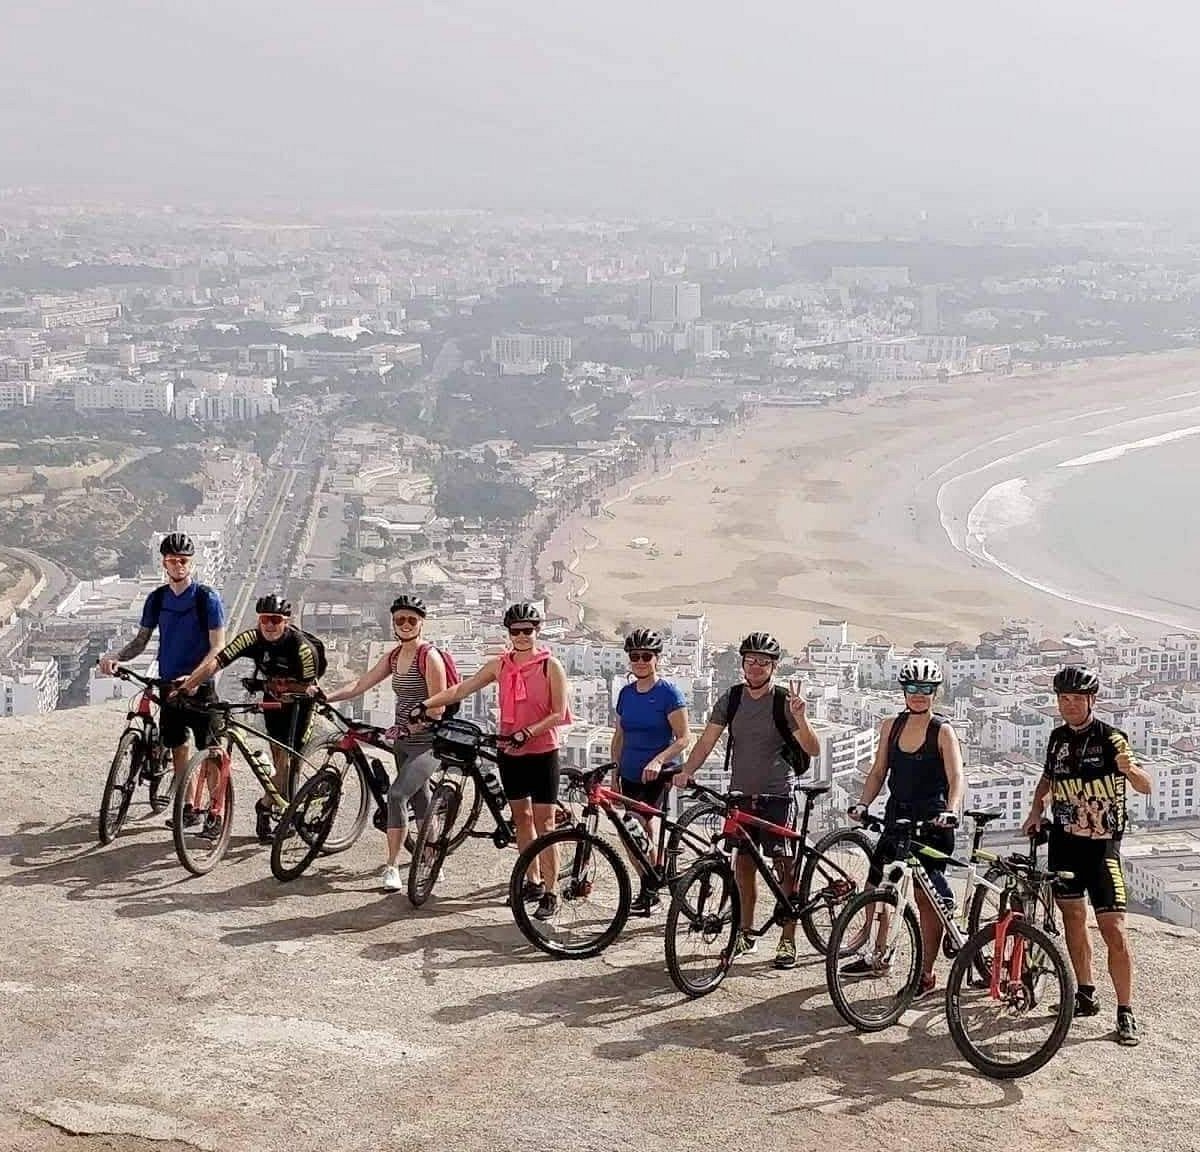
547 906
531 893
391 879
191 818
1127 1029
744 945
868 964
212 828
264 827
927 986
785 954
646 900
1086 1005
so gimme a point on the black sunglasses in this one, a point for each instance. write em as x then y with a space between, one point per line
522 631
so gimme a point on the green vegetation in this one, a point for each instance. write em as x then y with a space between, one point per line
474 492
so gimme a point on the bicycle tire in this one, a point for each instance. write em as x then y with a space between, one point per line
310 828
328 756
836 885
120 784
429 853
468 811
703 820
587 850
838 981
1036 939
162 782
188 845
698 918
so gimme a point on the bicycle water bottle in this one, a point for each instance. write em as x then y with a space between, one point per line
494 789
636 831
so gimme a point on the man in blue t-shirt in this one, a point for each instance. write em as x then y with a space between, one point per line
650 733
190 619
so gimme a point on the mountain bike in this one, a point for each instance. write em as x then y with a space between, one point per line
595 897
1028 995
140 758
459 747
705 910
875 988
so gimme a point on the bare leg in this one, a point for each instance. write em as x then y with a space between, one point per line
931 931
1120 959
784 870
544 820
1079 944
522 814
746 876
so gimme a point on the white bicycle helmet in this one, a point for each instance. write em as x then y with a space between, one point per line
920 670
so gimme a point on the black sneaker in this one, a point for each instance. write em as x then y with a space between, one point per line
531 893
1086 1005
191 818
1127 1029
212 828
644 902
264 825
547 906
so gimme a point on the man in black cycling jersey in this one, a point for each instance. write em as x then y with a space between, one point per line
287 663
1088 764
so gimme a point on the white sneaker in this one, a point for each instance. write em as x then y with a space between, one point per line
391 879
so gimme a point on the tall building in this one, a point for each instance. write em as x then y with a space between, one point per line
126 396
526 351
669 301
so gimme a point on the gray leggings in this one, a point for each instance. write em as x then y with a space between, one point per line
415 764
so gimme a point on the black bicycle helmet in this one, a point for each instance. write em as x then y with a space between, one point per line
525 613
1074 679
407 602
761 644
644 640
177 544
273 604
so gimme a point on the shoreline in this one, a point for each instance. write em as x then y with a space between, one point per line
858 511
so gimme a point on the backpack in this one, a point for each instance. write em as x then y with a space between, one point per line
318 646
201 601
453 676
793 755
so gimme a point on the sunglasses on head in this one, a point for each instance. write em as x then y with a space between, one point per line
641 657
920 689
522 631
406 621
272 618
758 661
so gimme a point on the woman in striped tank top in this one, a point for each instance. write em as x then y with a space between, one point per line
417 671
534 703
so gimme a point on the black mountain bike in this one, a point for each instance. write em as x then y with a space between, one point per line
595 895
140 759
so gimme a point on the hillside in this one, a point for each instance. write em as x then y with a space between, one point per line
230 1012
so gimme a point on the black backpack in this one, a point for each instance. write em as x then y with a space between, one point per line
793 754
318 646
201 602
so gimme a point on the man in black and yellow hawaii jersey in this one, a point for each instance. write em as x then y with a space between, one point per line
1088 764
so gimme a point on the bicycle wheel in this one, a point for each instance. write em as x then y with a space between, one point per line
1018 1029
692 837
593 900
986 908
199 844
354 799
835 869
119 787
470 804
305 825
702 924
429 852
162 782
871 991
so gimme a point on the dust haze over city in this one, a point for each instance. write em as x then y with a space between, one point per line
670 326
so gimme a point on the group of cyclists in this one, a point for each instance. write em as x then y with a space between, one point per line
769 741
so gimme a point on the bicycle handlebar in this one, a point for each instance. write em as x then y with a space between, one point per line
123 673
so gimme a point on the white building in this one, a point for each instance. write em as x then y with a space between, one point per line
151 395
525 351
238 398
30 688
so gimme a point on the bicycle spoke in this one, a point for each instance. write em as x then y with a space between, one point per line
701 925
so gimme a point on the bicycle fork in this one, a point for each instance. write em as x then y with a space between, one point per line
217 768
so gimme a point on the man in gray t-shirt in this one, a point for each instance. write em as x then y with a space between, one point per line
760 772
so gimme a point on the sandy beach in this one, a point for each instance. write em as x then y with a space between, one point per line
860 511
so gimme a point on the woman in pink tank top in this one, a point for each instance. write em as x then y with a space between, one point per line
534 704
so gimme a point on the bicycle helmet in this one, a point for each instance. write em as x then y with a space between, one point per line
407 602
644 640
920 670
1074 679
761 644
177 544
273 604
524 613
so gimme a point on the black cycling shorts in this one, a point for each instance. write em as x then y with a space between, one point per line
1097 868
776 809
644 791
533 776
278 723
887 849
176 722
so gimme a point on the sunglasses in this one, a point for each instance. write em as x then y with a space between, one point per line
521 631
406 621
641 657
183 560
758 661
271 618
920 689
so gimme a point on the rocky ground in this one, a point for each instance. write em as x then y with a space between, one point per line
148 1009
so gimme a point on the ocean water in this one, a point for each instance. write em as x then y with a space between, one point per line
1117 530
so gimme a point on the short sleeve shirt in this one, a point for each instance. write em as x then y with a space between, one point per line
291 657
1087 789
182 637
645 724
757 766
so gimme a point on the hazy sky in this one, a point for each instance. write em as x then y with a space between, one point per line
667 106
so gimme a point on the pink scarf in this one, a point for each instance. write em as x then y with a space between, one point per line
512 682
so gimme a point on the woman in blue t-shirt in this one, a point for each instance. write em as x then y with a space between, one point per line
650 733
